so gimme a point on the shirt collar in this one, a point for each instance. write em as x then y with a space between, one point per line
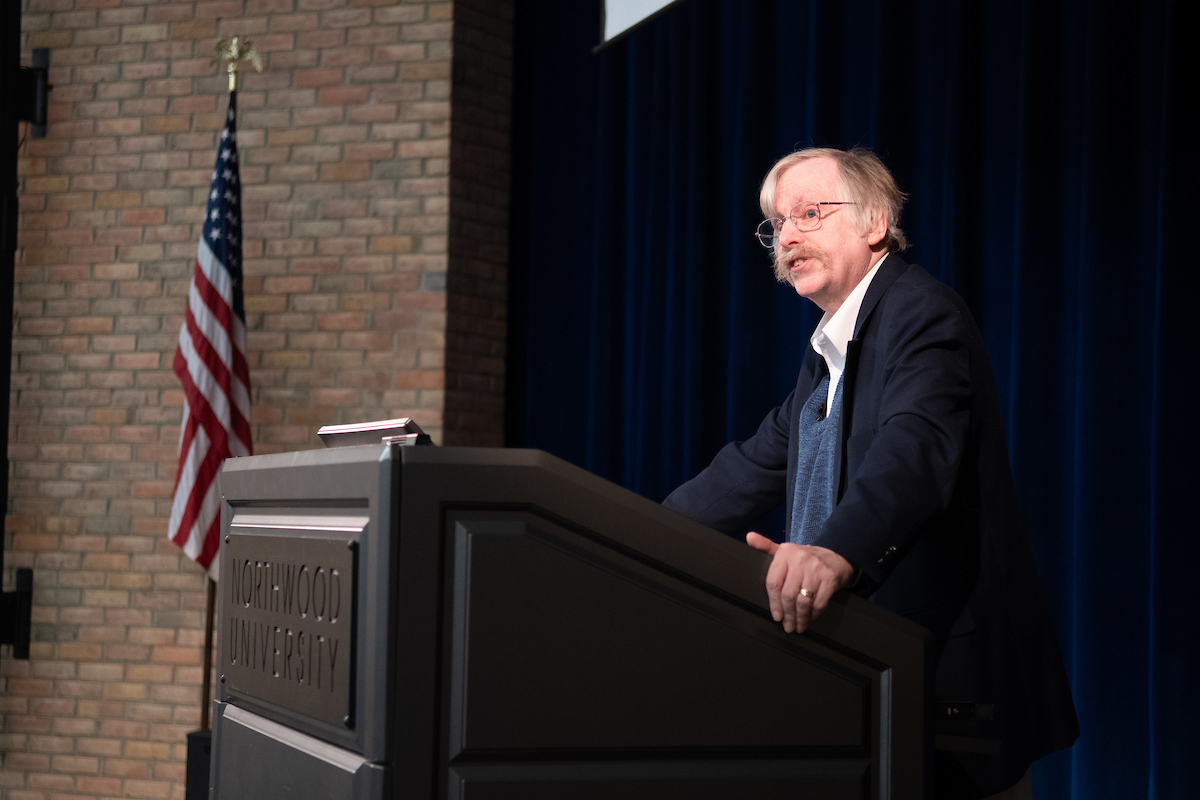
835 331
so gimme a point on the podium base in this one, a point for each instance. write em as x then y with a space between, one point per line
199 759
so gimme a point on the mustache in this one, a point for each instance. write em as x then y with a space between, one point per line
784 256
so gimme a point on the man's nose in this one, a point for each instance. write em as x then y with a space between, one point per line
789 234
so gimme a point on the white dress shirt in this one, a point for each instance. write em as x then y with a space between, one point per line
834 332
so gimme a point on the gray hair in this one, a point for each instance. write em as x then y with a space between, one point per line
867 183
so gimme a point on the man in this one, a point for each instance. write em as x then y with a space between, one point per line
891 458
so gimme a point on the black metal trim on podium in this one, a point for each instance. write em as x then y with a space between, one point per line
491 624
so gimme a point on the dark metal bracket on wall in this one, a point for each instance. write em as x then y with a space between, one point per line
33 92
16 606
28 92
16 609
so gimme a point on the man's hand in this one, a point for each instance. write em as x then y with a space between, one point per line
818 571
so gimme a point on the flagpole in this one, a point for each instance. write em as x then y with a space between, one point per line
229 51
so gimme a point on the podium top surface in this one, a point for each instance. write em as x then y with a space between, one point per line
537 478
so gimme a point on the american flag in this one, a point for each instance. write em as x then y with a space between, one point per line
211 363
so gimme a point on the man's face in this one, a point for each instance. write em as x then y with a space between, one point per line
825 264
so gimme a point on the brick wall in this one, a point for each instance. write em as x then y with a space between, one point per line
361 235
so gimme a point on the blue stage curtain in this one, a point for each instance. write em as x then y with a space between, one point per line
1043 145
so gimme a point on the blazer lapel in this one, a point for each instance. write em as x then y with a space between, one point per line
891 269
853 348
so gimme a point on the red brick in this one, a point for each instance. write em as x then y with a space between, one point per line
125 768
310 78
56 783
108 786
144 216
143 33
148 789
98 747
191 30
345 172
28 724
419 379
75 764
342 95
26 761
399 52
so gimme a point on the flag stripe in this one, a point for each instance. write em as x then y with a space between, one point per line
209 404
215 381
198 467
222 328
186 432
211 364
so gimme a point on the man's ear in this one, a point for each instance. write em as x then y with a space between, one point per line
878 230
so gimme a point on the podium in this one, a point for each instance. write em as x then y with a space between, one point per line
484 624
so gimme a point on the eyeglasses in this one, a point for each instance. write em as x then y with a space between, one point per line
805 216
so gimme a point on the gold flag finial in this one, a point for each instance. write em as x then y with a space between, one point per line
232 52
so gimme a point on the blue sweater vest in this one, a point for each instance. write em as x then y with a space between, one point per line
812 502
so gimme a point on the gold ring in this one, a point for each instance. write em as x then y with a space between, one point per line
805 593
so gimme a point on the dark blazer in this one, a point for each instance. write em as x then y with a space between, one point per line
927 511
